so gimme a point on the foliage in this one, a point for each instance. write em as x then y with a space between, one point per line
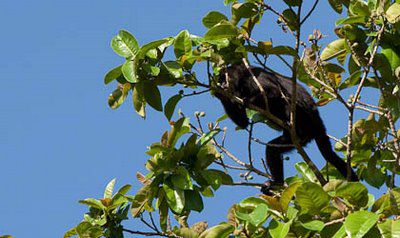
366 53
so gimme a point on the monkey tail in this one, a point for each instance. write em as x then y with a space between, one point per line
325 147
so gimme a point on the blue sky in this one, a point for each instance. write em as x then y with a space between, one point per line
59 141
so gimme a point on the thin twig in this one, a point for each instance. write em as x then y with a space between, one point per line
309 13
249 144
355 99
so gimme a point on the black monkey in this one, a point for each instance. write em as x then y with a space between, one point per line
278 90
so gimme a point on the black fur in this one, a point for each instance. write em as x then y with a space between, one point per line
278 89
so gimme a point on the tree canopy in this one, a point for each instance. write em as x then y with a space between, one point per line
190 160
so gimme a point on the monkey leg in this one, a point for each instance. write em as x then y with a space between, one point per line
274 150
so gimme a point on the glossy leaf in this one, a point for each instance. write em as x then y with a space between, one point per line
108 192
219 231
93 203
140 200
125 44
305 171
393 13
288 194
336 5
182 44
221 31
174 68
139 102
152 95
359 223
181 179
313 225
213 178
278 230
389 228
113 74
169 107
175 198
129 71
353 192
244 10
193 201
153 45
333 49
281 50
311 198
213 18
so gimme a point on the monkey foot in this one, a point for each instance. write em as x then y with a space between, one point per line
270 186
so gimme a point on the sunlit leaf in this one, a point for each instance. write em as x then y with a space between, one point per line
182 44
333 49
108 192
139 102
113 74
219 231
213 18
175 198
311 198
125 44
221 31
359 223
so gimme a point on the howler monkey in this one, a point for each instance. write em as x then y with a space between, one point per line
237 81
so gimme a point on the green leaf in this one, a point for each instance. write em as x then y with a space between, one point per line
175 198
129 71
213 178
182 44
205 138
181 179
193 201
333 49
281 50
278 230
354 192
313 225
125 44
108 192
359 8
288 194
113 74
221 31
291 19
174 68
311 198
359 223
152 95
305 171
117 97
340 233
336 5
389 228
138 99
351 20
124 189
244 10
392 56
293 3
222 230
153 45
213 18
170 105
140 200
93 203
259 215
393 13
